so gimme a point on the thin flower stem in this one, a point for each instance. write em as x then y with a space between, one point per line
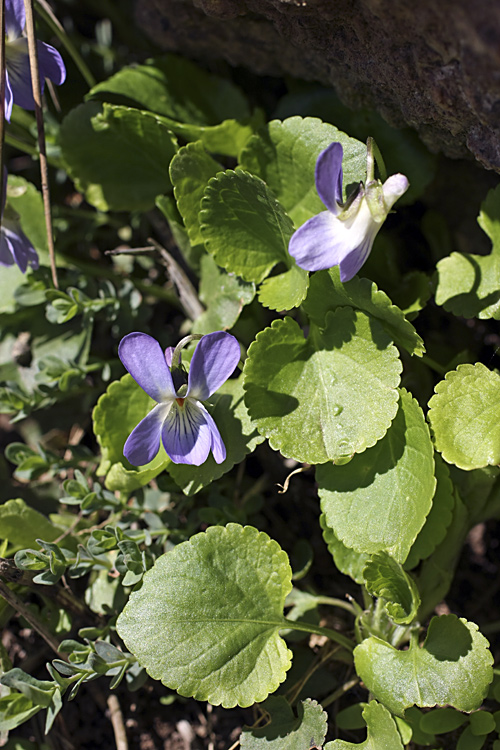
50 19
2 104
318 630
12 140
176 356
440 369
370 162
28 615
35 82
332 602
342 690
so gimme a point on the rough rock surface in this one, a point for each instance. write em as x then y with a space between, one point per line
434 66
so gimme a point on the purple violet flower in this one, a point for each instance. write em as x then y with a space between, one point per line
187 430
343 236
18 88
15 247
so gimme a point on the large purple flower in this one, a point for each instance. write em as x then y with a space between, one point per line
18 88
343 236
187 430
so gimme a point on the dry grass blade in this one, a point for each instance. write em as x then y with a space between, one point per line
35 82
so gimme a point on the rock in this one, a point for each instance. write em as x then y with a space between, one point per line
434 66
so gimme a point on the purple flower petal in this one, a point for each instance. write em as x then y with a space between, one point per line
6 255
169 353
320 243
18 67
186 434
143 443
329 176
394 187
51 64
15 18
214 360
217 445
351 264
144 359
14 241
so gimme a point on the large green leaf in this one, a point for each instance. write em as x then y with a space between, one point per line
452 667
464 417
327 292
385 578
380 499
22 525
247 231
469 285
117 412
206 621
194 104
382 732
326 397
284 155
117 156
237 431
286 731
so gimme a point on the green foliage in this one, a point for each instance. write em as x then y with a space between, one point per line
171 156
215 111
469 284
382 731
207 626
453 667
307 396
361 516
284 155
463 416
21 525
385 578
247 231
326 292
117 156
285 731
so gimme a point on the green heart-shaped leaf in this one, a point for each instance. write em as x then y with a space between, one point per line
285 731
388 507
326 397
206 621
464 417
453 667
469 285
382 732
223 294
